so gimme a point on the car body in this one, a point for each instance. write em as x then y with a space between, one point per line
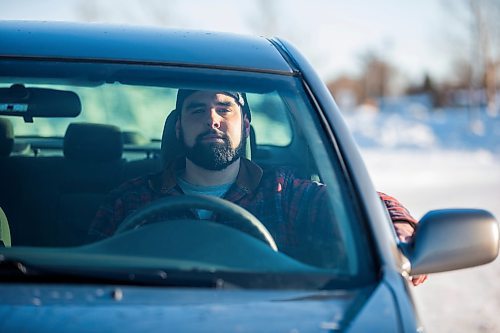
88 103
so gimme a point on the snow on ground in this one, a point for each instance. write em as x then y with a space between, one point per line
445 159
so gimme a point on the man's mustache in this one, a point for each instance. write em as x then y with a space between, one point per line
212 133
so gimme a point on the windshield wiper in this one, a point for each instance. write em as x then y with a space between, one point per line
11 267
156 277
13 270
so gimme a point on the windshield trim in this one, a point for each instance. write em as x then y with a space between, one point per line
147 63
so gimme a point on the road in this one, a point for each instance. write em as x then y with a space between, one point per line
460 301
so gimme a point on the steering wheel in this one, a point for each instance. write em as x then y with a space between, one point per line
241 219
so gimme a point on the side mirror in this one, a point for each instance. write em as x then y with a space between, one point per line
454 239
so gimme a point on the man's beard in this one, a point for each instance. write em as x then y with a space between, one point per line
214 156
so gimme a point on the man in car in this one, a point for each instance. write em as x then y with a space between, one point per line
212 127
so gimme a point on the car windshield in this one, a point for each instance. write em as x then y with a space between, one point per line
84 128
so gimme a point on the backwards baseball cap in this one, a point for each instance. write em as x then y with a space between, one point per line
239 97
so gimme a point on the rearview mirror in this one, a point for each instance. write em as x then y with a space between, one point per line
453 239
17 100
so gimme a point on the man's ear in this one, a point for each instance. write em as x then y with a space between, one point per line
246 126
178 128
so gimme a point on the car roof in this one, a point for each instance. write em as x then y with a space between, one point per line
56 40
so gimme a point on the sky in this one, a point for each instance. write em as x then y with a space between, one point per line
333 34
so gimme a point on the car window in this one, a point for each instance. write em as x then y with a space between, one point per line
318 233
136 108
273 127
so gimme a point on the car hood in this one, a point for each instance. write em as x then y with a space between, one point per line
56 308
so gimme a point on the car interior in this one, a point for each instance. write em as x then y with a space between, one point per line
52 187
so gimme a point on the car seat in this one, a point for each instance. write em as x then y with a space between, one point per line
93 167
6 137
4 230
6 144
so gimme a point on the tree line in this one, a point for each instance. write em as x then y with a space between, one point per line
474 71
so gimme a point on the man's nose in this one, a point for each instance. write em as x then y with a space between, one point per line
213 118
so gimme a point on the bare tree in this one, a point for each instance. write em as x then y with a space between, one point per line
265 22
377 75
88 10
158 12
269 20
151 12
478 68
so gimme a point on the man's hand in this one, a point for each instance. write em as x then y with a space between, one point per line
405 233
418 279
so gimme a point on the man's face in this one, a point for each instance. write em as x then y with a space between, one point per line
212 129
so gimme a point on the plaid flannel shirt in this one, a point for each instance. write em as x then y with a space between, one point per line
287 206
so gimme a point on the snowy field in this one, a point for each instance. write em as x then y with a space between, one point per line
441 160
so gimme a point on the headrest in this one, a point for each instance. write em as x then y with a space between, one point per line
171 148
93 142
6 137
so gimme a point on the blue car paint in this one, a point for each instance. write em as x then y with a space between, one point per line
55 308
